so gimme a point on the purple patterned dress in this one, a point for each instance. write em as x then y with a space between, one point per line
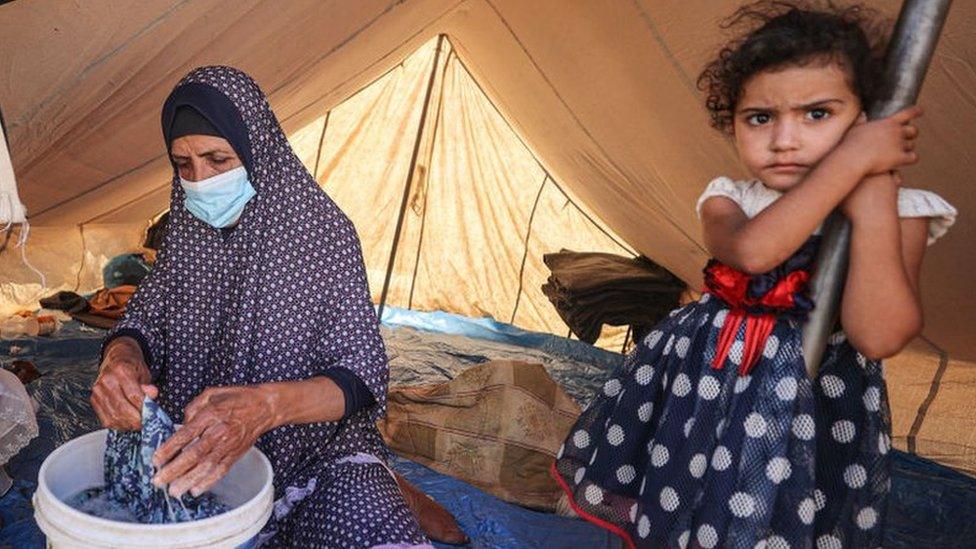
283 296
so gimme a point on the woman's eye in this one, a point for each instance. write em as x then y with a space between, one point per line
759 119
818 114
220 160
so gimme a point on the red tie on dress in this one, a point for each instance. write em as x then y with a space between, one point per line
731 286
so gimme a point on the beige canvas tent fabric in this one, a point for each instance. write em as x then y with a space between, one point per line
481 210
601 93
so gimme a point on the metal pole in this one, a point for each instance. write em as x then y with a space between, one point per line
909 53
406 187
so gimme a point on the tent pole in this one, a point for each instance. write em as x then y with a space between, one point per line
916 33
429 153
407 185
318 154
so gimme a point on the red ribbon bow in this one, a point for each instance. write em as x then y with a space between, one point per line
731 286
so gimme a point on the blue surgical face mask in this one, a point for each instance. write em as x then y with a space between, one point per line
219 200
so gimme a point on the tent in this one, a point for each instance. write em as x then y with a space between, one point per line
521 127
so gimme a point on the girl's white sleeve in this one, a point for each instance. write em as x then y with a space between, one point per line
920 203
722 186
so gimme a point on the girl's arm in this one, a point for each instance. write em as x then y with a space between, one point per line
759 244
881 311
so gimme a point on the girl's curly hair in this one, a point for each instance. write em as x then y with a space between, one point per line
776 33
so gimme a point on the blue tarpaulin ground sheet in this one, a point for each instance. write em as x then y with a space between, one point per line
931 505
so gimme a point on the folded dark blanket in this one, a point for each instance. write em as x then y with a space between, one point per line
590 290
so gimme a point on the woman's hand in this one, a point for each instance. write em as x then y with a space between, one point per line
886 144
122 383
220 426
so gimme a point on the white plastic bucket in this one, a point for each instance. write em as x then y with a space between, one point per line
77 466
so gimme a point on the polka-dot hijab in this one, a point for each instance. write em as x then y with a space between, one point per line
283 296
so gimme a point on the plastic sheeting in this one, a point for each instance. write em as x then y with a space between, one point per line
931 505
491 522
435 347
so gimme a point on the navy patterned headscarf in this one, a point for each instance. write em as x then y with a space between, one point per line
283 296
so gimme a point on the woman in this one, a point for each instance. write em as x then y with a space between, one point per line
256 327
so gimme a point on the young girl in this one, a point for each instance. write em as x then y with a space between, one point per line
712 435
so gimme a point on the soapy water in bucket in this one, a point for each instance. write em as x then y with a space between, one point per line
97 502
247 491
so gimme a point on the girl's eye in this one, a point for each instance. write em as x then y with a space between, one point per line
818 114
759 119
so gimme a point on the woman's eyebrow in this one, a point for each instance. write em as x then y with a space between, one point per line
215 151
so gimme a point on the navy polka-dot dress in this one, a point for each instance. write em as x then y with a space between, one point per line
676 451
283 296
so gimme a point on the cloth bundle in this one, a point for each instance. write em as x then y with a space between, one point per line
102 310
591 289
129 493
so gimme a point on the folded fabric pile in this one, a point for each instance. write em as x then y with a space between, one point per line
591 289
102 310
129 494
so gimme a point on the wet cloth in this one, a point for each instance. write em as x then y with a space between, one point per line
280 297
684 448
128 493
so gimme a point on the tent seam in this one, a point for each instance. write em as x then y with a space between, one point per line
664 214
923 408
434 22
296 113
525 249
656 33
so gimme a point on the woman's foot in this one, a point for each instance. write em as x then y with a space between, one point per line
435 520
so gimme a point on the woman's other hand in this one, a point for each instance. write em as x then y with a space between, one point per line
220 426
122 383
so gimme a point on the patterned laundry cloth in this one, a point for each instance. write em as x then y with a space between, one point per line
128 493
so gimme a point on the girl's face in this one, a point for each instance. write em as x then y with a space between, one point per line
789 118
